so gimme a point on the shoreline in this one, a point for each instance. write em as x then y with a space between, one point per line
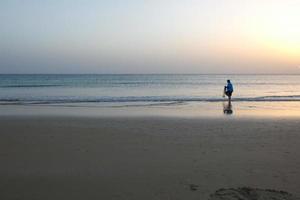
177 109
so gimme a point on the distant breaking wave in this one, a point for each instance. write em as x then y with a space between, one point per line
129 83
29 86
145 99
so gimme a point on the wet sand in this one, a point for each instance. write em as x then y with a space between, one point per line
145 157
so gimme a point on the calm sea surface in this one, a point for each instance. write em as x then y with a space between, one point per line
147 89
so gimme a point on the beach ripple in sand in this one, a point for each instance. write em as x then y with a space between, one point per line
246 193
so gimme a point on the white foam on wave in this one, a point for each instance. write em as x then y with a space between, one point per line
146 99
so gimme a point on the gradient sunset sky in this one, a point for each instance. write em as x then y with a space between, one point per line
150 36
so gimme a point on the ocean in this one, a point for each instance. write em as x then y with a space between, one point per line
144 89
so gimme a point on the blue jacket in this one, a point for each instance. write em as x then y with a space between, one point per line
229 87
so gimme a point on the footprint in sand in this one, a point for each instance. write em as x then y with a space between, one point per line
246 193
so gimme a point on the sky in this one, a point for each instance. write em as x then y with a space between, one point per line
150 36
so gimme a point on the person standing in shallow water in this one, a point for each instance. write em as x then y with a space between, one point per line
228 90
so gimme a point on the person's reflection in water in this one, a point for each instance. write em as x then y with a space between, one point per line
227 108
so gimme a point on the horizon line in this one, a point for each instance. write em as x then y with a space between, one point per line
149 73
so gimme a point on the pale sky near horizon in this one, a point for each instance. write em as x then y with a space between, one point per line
150 36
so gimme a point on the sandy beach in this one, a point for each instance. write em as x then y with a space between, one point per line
145 157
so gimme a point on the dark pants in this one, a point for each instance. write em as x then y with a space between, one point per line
228 93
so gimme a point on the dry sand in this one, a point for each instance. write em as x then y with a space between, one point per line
146 158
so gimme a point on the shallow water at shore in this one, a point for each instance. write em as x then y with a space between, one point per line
170 109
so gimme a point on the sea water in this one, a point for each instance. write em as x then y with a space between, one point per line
144 89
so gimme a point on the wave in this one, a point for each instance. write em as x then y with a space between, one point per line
111 84
168 100
30 86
